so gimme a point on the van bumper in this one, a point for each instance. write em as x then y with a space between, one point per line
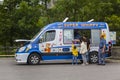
21 57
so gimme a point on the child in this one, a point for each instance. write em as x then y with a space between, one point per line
75 53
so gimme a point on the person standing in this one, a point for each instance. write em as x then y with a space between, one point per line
74 53
101 54
87 42
83 51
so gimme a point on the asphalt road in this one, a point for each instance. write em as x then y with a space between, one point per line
60 70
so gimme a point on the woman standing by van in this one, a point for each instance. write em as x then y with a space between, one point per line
83 51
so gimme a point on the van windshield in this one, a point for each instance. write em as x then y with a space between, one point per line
37 34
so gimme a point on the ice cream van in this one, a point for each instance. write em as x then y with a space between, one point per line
54 41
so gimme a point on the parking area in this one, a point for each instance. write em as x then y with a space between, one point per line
57 70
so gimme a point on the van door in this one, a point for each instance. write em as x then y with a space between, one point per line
47 40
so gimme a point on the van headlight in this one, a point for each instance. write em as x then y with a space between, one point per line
28 48
21 49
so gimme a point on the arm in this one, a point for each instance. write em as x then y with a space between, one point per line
103 49
72 47
88 47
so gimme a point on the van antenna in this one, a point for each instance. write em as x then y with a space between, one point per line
90 20
65 19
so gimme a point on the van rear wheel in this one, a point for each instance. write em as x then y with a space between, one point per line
93 57
34 58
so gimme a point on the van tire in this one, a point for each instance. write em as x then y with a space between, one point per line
33 59
93 57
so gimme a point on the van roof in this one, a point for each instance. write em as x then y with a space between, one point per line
77 25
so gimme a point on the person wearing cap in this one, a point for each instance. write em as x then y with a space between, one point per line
101 54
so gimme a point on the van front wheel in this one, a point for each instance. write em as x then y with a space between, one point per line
34 58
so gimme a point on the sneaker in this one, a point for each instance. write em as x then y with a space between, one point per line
87 63
83 64
99 64
103 64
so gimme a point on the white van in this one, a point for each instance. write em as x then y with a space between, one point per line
54 41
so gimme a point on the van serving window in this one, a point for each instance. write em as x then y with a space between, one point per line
68 36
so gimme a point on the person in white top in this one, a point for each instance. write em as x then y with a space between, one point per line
83 51
87 42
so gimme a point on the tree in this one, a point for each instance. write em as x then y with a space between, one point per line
114 24
18 18
26 17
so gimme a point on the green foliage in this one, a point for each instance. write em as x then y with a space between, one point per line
114 24
27 18
18 18
24 18
84 10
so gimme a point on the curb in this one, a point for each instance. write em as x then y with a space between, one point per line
113 60
7 55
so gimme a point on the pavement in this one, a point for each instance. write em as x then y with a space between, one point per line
57 70
110 59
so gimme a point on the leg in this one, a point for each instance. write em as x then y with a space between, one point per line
103 58
73 59
76 59
84 58
99 56
87 56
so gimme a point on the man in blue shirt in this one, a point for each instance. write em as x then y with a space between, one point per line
101 54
